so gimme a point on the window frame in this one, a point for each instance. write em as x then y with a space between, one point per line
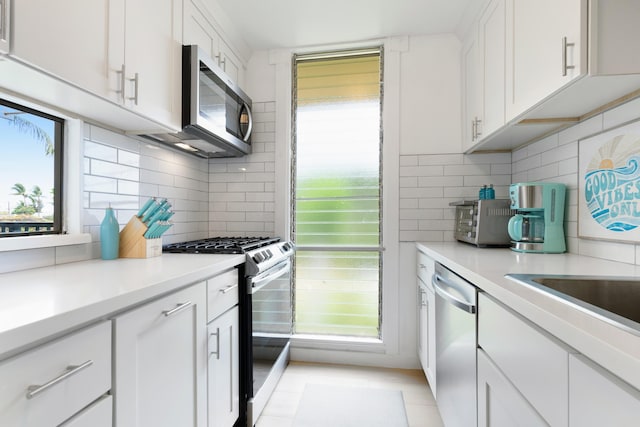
58 168
365 50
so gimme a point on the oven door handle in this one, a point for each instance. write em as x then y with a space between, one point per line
273 273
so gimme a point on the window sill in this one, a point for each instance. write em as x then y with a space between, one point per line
367 345
35 242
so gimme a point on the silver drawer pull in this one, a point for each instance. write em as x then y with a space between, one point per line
178 309
217 335
228 289
34 390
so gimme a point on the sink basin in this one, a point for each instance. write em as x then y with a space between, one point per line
613 299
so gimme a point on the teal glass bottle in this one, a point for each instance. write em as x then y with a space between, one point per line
109 235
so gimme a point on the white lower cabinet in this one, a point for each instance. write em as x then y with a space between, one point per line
427 319
51 383
98 414
159 362
598 398
224 374
500 404
224 349
535 362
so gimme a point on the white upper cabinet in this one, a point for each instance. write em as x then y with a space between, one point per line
492 67
5 15
546 49
68 39
483 75
76 54
145 57
470 89
199 30
547 64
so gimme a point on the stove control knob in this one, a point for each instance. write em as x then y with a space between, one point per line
258 258
268 254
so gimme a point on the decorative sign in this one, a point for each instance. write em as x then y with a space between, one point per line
609 185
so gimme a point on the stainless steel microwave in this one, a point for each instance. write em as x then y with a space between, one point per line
216 113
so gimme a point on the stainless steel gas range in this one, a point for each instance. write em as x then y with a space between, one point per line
265 313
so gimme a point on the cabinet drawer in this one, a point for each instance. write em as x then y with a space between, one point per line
535 362
98 414
425 267
55 397
222 293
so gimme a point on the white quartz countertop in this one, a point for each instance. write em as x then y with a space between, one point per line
615 349
38 304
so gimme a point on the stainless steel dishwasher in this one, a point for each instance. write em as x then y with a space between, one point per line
456 342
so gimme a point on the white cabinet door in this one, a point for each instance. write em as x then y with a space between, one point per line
423 326
544 44
491 30
160 362
499 402
470 89
534 361
49 384
69 39
224 371
427 332
229 62
198 30
145 58
427 318
597 398
5 20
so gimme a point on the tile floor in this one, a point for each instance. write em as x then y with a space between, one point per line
419 402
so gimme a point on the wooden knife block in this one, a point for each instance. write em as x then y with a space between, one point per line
134 245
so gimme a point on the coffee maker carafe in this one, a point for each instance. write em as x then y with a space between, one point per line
538 225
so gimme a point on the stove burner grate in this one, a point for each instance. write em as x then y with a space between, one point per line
220 245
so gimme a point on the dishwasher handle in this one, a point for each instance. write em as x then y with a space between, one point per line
457 302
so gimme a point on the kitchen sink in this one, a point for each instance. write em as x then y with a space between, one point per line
613 299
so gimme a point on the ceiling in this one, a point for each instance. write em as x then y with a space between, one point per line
273 24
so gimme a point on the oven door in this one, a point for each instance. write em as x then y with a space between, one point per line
272 317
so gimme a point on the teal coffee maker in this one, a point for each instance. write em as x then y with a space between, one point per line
538 225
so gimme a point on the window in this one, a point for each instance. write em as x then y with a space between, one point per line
30 171
337 193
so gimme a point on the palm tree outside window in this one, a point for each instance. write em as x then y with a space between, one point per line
30 171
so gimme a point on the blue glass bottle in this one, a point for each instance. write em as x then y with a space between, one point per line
490 192
109 235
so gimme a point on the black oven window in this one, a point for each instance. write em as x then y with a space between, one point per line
30 171
338 194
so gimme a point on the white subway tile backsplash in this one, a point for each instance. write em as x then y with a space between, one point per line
408 160
581 130
548 143
101 152
625 113
468 169
439 159
114 170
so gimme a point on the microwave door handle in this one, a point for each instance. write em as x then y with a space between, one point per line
250 128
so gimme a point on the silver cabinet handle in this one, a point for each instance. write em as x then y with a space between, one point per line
34 390
4 19
228 289
478 122
123 81
566 67
135 81
178 309
473 130
217 335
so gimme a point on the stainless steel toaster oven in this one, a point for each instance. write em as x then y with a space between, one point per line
482 222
